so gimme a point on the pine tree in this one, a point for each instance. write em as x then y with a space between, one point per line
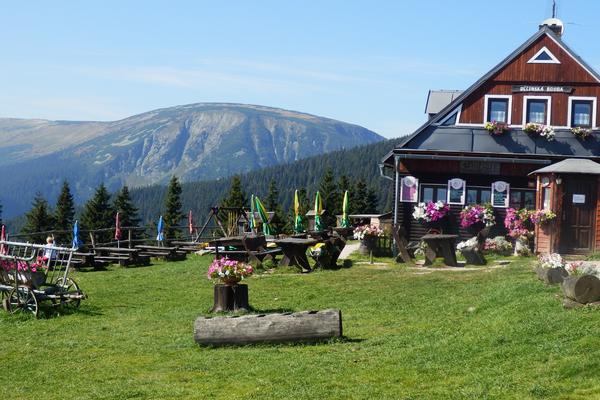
372 201
98 214
358 205
272 204
128 213
330 197
38 219
173 214
236 196
64 214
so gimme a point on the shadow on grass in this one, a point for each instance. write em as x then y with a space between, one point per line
308 343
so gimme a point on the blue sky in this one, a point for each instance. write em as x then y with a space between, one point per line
364 62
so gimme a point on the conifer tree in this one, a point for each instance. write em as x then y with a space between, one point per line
64 214
358 205
38 219
128 212
98 213
330 197
173 205
372 206
236 196
272 204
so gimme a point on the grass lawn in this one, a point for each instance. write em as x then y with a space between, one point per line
485 334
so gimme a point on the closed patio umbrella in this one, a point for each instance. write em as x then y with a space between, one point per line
298 225
262 212
160 228
252 220
345 208
319 225
117 229
76 243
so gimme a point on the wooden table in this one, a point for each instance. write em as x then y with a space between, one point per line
294 252
237 242
441 246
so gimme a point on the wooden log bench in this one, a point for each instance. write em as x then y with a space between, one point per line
440 245
305 326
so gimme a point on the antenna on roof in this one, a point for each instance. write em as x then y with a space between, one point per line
555 24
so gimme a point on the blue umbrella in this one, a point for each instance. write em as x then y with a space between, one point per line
160 227
76 242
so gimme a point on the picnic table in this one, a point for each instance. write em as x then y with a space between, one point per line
294 252
236 242
166 252
440 245
122 255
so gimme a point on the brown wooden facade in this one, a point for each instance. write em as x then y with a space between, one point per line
438 150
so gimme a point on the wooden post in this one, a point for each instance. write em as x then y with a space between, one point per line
129 237
92 239
230 298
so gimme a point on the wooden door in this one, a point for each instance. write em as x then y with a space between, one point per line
579 215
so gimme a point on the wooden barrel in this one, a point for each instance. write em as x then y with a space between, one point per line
583 289
305 326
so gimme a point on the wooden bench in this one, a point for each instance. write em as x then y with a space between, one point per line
257 250
441 246
167 253
121 255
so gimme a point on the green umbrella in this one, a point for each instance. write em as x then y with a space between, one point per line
262 212
319 225
298 225
345 207
252 221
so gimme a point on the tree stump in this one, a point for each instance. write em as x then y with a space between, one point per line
473 256
305 326
551 276
230 298
583 289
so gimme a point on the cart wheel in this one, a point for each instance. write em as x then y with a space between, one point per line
22 300
71 288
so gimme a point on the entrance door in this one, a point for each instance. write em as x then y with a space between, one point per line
579 215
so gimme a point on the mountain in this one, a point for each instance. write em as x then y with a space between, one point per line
359 163
195 142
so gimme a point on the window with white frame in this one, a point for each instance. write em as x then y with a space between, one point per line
582 112
536 110
497 108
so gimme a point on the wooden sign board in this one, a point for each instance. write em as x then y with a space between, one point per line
541 89
479 167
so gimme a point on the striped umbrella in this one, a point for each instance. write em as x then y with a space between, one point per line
159 228
345 207
252 220
262 212
298 225
319 225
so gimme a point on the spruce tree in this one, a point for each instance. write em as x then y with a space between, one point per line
330 198
372 206
128 213
235 198
98 213
64 214
272 204
173 214
38 219
358 205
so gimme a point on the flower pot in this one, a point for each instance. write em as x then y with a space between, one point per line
522 246
231 281
367 245
476 228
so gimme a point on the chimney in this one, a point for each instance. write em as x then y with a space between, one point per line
555 25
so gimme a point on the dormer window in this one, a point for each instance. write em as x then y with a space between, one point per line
537 110
497 108
582 112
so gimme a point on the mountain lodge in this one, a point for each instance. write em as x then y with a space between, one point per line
525 135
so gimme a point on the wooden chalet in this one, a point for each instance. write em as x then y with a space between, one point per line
452 157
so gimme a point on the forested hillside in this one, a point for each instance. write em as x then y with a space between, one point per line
359 163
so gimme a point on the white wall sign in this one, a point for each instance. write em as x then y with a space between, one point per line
579 199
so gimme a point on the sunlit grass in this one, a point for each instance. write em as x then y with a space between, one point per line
442 335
